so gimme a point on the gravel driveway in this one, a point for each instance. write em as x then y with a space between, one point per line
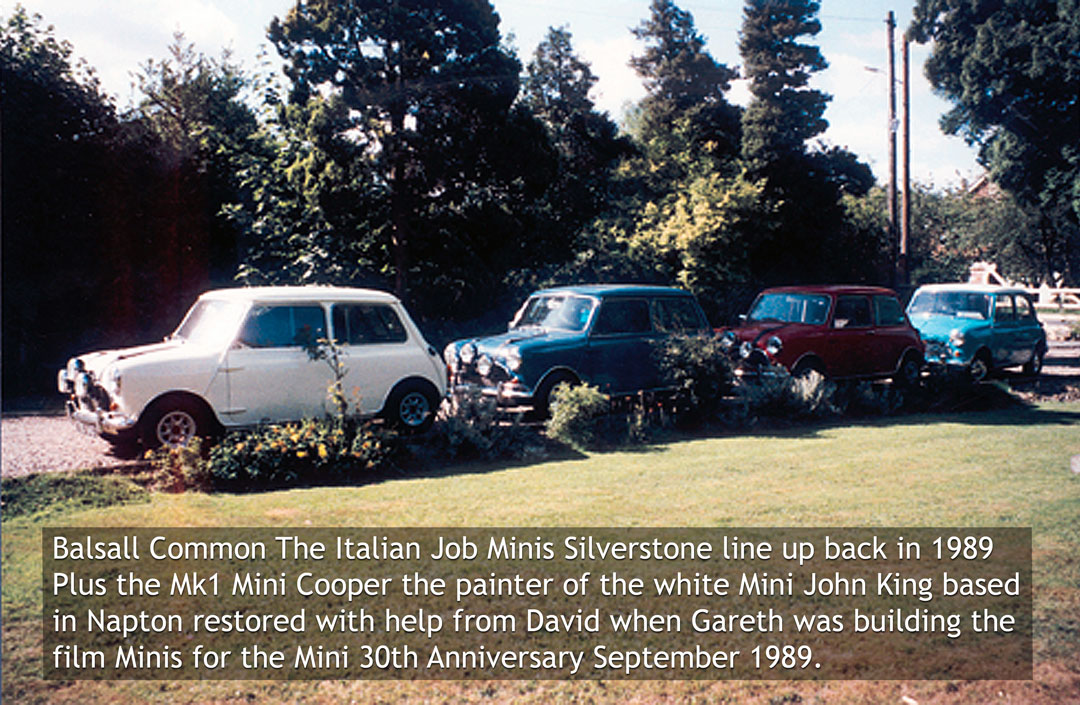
49 443
38 443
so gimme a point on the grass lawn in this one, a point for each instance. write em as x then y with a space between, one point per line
999 468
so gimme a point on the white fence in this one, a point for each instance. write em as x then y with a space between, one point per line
1067 299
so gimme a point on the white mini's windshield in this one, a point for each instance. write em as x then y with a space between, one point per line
211 322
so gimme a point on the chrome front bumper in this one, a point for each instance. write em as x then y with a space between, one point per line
104 422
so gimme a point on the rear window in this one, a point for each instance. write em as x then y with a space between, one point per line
676 315
1024 310
621 316
887 311
852 312
365 324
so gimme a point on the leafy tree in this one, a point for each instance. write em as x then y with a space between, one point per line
811 240
202 136
783 113
680 211
1012 72
556 89
56 127
427 92
685 108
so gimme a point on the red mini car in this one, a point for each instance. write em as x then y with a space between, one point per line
838 331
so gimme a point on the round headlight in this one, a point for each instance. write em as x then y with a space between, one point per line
513 361
468 353
449 355
483 365
956 337
112 381
82 384
728 340
745 349
774 346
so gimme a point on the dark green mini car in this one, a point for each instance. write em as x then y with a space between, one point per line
597 334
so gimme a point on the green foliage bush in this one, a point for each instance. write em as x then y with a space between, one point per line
577 415
474 430
775 393
180 468
585 418
699 370
314 450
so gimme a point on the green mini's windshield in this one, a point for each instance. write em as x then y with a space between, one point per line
560 312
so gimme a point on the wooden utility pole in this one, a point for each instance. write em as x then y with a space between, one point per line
891 196
905 219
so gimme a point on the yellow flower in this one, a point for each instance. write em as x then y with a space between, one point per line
240 446
294 437
301 454
322 451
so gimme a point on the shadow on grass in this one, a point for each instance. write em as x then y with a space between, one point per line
985 404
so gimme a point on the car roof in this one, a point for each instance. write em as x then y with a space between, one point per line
830 289
974 288
299 293
600 290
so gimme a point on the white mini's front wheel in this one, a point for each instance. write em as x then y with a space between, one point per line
172 423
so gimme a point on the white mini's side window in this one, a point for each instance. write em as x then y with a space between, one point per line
365 324
283 326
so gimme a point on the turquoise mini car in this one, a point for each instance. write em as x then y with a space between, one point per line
978 329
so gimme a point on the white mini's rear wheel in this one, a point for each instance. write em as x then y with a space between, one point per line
412 406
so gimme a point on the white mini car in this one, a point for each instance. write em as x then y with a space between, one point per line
240 359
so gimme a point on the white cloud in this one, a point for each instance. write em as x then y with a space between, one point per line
618 84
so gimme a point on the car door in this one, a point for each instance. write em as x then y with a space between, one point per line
852 329
891 335
377 352
1003 338
271 377
1029 333
620 346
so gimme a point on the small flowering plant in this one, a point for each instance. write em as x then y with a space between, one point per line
331 449
314 449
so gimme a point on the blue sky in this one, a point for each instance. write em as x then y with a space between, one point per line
116 36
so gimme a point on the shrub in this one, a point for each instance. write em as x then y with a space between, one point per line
474 431
699 370
180 468
581 418
866 399
314 450
776 394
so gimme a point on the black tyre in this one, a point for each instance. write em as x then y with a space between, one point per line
412 406
980 367
173 422
1034 366
804 368
908 373
542 398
